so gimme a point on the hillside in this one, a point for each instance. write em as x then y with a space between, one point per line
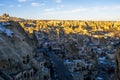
15 45
17 40
68 33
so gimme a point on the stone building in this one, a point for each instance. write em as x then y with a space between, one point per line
27 74
4 64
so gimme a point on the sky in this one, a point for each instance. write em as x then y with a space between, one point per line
62 9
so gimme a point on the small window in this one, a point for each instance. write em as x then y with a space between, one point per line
16 68
24 62
3 66
24 75
41 64
31 74
46 77
28 75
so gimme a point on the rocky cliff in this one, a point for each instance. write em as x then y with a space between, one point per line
117 60
16 48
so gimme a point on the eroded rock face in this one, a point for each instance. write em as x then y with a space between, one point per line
14 47
117 60
17 54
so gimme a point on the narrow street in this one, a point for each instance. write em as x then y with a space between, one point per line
58 66
61 70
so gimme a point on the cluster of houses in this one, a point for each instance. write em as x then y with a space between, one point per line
78 65
80 69
96 60
95 57
23 71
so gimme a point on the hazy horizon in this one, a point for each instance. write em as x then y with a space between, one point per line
102 10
